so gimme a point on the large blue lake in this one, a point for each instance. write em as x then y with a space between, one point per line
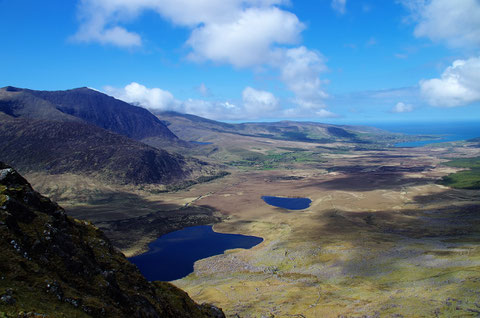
447 131
288 203
172 255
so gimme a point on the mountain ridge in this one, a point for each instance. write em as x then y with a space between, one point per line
85 104
76 147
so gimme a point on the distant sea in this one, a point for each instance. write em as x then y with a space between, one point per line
447 131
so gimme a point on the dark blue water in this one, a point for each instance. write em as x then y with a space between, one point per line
288 203
200 143
172 255
446 131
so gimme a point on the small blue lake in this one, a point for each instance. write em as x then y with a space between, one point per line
201 143
288 203
172 255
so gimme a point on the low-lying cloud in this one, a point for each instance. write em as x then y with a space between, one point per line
255 104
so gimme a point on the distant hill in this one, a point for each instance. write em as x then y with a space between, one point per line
194 128
52 265
77 147
87 105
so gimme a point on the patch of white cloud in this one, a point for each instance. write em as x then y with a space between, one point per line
299 68
254 104
95 26
152 98
339 6
257 34
458 85
455 22
402 108
247 40
257 103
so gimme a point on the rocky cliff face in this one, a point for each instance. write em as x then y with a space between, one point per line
52 265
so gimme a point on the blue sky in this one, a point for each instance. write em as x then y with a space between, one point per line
240 60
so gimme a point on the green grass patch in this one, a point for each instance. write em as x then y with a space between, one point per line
468 179
275 160
464 163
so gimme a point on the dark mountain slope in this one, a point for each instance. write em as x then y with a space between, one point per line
15 102
52 265
76 147
88 105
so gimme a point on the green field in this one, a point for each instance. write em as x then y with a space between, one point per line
274 160
468 179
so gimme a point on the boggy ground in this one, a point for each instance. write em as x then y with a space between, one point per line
381 239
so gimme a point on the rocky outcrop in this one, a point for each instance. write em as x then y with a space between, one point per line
52 265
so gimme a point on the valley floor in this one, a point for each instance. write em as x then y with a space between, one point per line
380 239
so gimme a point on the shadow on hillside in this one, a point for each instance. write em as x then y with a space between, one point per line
449 196
370 181
379 244
127 218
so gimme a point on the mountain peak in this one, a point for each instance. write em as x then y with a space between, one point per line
11 89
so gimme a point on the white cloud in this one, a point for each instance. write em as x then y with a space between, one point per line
95 26
456 22
152 98
243 33
247 40
458 85
339 5
402 108
117 36
254 104
300 69
258 103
